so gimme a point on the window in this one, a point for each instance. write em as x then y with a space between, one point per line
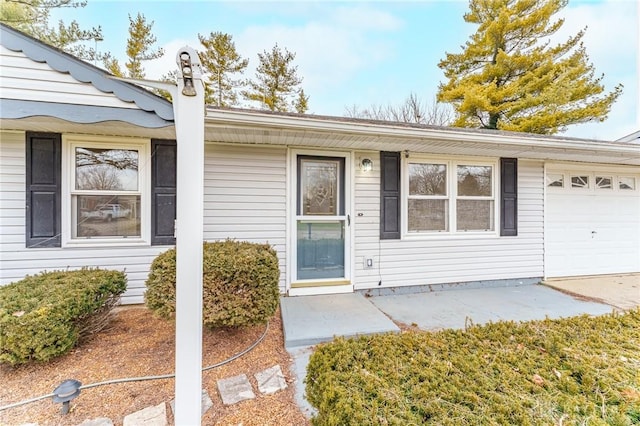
112 190
626 183
555 180
450 197
599 180
107 190
604 182
428 201
580 181
475 198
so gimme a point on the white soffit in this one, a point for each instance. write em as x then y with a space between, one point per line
251 127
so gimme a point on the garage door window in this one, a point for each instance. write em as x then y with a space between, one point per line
604 182
580 182
567 181
555 180
626 183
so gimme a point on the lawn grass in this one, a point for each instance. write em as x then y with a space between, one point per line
574 371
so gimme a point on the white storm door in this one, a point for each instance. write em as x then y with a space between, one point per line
322 222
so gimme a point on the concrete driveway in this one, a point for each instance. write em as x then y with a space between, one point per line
619 291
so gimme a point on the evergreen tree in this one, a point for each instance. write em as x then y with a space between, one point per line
170 77
301 104
32 17
510 76
139 48
221 61
276 80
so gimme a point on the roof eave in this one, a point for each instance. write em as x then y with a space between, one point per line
527 145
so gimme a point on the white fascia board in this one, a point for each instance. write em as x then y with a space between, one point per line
528 144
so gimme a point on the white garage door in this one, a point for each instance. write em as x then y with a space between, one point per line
592 222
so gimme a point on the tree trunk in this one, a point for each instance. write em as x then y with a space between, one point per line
493 121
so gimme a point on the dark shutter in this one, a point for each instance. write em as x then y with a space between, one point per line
163 192
389 195
43 197
509 197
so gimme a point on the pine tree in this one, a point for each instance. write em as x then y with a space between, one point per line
139 48
112 65
32 17
510 76
301 104
276 80
221 61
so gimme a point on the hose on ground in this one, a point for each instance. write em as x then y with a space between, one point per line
144 378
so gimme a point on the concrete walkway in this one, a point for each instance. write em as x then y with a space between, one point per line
309 320
457 308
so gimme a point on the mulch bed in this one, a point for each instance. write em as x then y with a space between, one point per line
138 344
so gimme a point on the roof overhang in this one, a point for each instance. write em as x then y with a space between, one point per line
308 131
106 128
81 114
261 128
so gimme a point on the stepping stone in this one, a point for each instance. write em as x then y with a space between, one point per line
100 421
235 389
271 380
205 405
150 416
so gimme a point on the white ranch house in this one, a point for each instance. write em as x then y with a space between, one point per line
348 204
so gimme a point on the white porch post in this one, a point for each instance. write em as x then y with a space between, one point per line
188 107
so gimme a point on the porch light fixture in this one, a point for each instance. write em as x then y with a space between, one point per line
187 74
65 392
366 165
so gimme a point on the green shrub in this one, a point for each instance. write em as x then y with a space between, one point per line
571 371
44 315
240 284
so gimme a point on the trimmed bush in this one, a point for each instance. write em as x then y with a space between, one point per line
44 315
572 371
240 284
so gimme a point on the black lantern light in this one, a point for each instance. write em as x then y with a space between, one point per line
65 392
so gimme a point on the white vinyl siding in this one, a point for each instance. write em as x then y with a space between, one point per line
25 79
448 259
18 261
245 196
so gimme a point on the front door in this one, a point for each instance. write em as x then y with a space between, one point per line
322 222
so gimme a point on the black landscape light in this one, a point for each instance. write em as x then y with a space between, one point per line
65 392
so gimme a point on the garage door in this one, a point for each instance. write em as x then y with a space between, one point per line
592 222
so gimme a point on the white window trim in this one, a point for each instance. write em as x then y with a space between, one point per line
452 196
69 142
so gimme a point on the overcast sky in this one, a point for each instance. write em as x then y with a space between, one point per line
363 53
